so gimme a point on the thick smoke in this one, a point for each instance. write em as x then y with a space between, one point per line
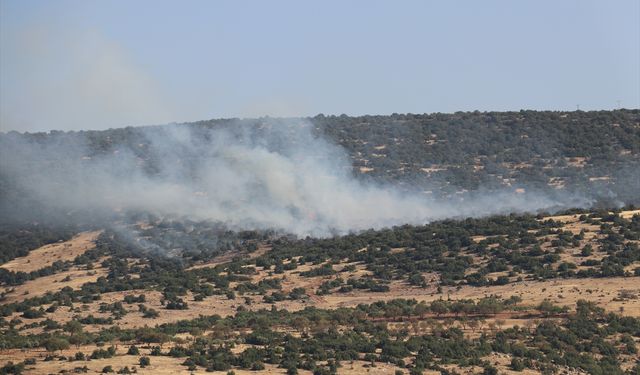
278 175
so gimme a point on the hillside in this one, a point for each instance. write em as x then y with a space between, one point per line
586 157
466 243
506 293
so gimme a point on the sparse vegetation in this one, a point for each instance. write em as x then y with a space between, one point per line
448 296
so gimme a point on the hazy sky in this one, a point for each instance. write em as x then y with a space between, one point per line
100 64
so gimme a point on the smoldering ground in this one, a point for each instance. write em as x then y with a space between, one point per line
275 174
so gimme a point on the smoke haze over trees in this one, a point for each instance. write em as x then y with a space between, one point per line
328 174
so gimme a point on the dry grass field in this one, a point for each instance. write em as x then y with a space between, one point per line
167 365
164 365
48 254
74 278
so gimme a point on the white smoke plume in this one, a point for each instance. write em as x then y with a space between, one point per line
278 175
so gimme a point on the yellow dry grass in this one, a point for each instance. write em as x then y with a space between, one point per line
160 365
74 278
563 292
629 214
213 305
48 254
